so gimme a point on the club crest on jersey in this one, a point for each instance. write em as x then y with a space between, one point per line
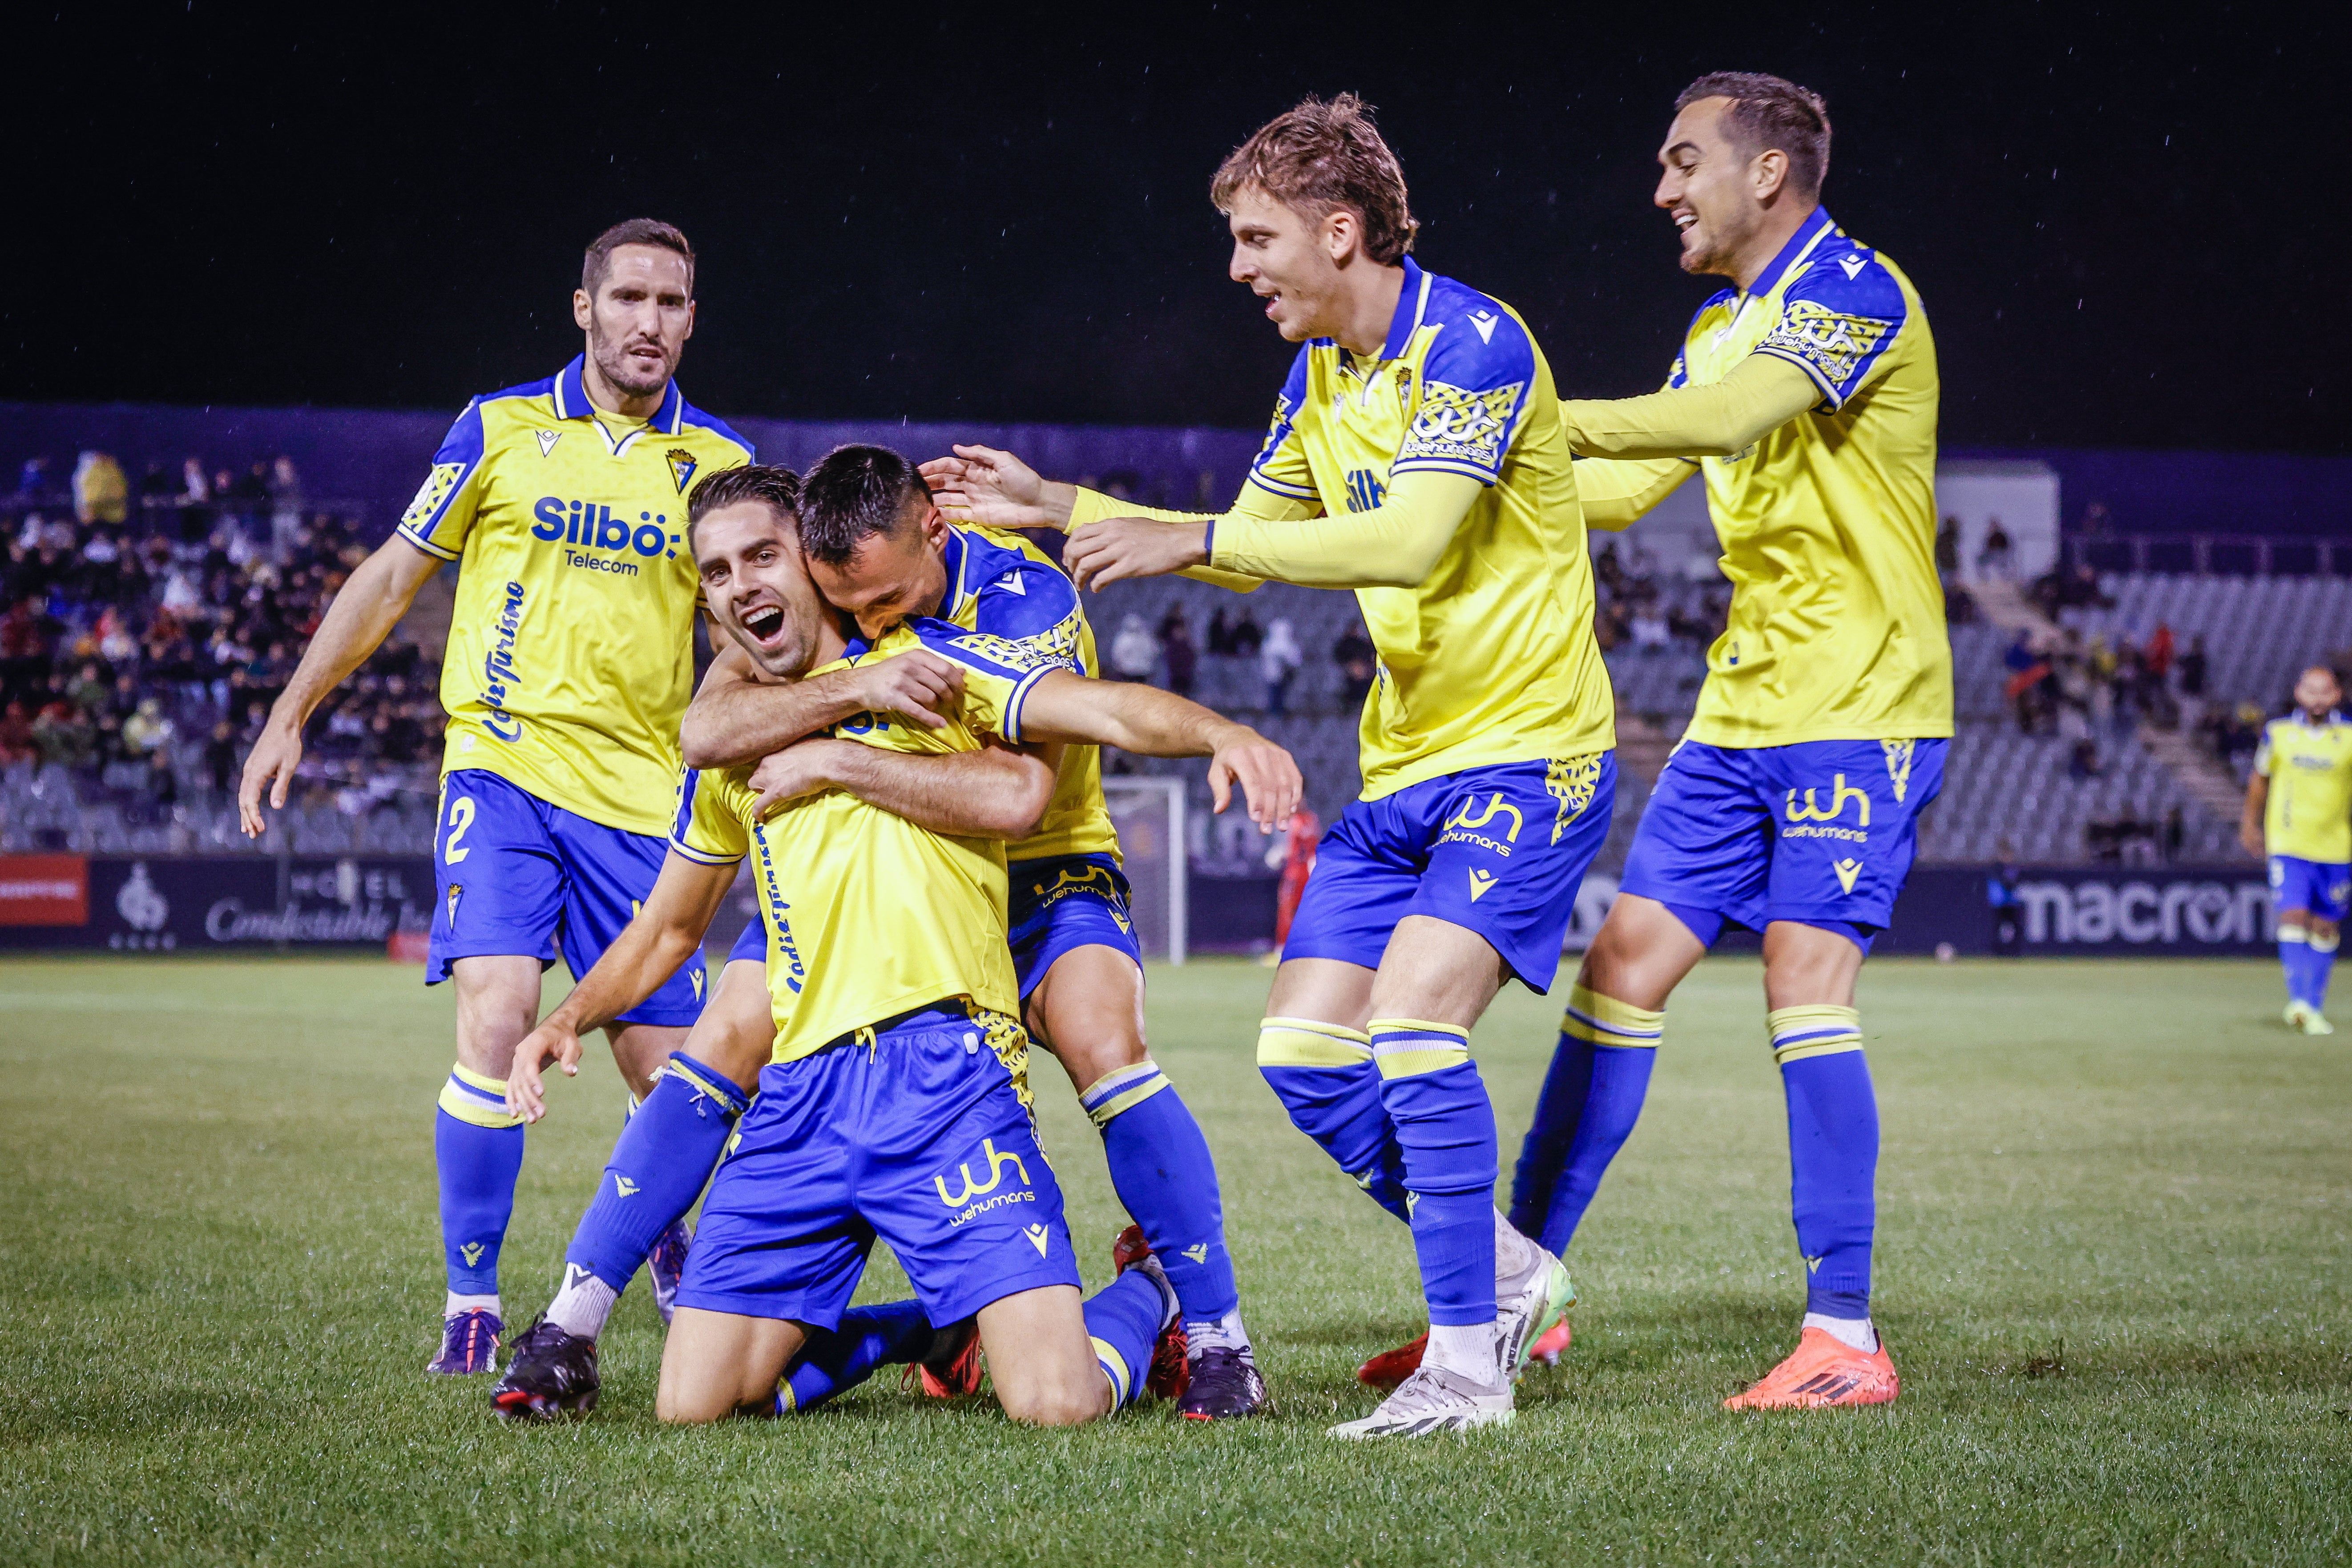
681 467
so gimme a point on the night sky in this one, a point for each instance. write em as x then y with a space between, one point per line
2120 224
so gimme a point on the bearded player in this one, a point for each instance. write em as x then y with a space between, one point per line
1806 393
570 661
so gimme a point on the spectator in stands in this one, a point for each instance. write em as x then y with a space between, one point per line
1247 639
1221 635
1278 660
1947 549
221 759
1176 646
285 507
1650 633
1134 652
2082 763
16 734
2008 908
2158 653
2191 665
145 730
63 734
1358 660
1992 557
33 478
100 491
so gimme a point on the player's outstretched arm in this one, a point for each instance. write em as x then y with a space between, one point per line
1762 392
996 489
736 717
1394 545
371 604
665 934
1615 493
998 791
1064 706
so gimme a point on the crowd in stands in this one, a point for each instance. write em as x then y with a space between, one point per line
1232 641
1638 609
147 628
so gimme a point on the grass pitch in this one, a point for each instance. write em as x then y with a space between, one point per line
2114 1207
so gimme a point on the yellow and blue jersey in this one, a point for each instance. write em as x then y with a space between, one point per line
1828 524
868 915
2308 815
571 655
1492 658
1009 593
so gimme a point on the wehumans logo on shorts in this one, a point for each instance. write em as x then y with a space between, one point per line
1458 827
974 1190
1840 793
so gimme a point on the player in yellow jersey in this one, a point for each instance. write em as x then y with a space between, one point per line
570 661
2299 812
1806 394
880 549
1415 457
888 971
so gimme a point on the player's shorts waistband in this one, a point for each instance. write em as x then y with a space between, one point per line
931 1014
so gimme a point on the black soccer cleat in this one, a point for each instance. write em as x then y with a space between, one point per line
552 1375
1225 1383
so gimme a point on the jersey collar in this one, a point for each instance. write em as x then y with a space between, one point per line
571 401
1411 303
952 555
1793 254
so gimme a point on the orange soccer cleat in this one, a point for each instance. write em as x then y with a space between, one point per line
1824 1372
1552 1344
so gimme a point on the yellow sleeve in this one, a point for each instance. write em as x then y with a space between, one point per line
1394 545
1614 491
1762 392
1254 501
2263 754
709 827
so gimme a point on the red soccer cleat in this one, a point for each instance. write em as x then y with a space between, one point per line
952 1373
1171 1367
1552 1344
1824 1372
1390 1368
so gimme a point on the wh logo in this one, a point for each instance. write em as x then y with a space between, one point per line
996 1163
1840 794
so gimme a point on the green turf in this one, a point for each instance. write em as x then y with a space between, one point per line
220 1277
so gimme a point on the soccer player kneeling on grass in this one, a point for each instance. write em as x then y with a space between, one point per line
2299 811
896 1103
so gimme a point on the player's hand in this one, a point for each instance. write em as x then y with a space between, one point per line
1269 776
918 684
799 769
996 489
269 765
2250 834
1122 547
551 1042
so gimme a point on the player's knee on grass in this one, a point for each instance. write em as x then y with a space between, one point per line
1089 1012
1042 1364
497 1005
736 1033
717 1364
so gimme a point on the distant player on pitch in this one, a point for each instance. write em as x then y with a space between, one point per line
2299 813
570 661
1416 457
1806 393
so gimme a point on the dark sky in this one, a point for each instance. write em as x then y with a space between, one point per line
2119 222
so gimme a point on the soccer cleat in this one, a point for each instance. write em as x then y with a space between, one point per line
1171 1369
1529 1306
1432 1400
667 1263
2314 1022
1221 1383
552 1375
2294 1014
469 1343
1552 1344
953 1368
1823 1372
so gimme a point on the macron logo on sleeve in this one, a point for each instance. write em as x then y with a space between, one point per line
1853 266
1012 583
1484 321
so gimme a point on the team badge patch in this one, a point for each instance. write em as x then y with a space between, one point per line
681 467
431 496
1571 780
1898 765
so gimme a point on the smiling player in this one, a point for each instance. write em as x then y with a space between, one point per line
570 662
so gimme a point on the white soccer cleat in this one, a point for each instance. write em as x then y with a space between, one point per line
1529 1306
1431 1401
2294 1015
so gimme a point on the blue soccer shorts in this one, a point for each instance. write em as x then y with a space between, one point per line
517 876
2317 885
917 1131
1498 850
1064 901
752 943
1823 832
